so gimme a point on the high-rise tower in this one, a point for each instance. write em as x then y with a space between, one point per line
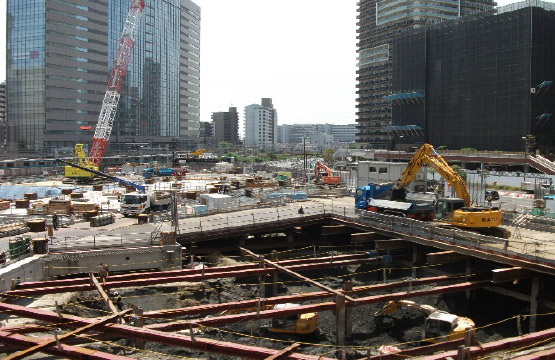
59 56
378 22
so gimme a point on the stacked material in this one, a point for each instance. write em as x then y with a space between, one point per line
4 205
31 196
78 195
19 246
79 208
36 225
102 220
38 208
22 204
59 207
67 191
13 229
98 187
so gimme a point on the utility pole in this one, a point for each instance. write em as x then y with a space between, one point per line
525 155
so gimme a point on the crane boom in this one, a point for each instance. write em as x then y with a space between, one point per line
424 156
115 83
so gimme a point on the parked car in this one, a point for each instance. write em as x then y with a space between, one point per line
494 195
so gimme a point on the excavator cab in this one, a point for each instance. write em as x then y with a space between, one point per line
441 326
446 207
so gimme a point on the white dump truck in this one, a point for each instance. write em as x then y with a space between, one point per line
133 204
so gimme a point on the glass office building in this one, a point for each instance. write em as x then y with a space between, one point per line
60 53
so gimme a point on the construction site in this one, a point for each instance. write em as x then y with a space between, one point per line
185 257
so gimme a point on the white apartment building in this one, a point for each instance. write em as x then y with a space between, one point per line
261 125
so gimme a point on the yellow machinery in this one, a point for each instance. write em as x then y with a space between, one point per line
454 211
439 326
79 158
199 152
300 324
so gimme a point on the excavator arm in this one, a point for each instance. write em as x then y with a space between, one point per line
423 156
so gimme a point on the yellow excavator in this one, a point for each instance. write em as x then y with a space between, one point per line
439 326
300 324
454 211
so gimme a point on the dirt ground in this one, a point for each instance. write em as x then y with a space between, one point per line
368 332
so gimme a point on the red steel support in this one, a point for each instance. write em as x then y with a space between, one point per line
214 308
173 273
183 278
67 350
209 345
500 345
303 309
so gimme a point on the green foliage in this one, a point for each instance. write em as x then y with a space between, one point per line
469 149
327 155
442 147
459 171
353 146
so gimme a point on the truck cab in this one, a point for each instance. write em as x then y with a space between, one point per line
371 191
133 204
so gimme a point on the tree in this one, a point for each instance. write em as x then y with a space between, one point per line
459 170
327 155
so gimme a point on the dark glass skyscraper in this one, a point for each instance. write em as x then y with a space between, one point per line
60 53
378 22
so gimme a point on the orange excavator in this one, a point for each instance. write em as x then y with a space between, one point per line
323 175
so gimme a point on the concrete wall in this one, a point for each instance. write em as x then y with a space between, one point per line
166 257
28 269
47 267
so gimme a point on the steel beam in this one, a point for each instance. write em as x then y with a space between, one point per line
303 309
445 257
198 343
392 244
47 343
246 304
235 318
184 278
283 351
172 273
67 351
500 345
291 271
539 355
406 295
417 351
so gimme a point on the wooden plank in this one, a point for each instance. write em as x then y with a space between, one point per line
392 244
444 257
283 352
335 229
104 296
29 351
510 274
364 237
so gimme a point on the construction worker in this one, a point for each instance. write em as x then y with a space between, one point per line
103 273
117 301
301 211
55 221
490 198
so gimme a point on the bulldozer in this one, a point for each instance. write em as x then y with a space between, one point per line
439 326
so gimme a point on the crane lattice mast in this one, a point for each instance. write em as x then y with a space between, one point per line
115 83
